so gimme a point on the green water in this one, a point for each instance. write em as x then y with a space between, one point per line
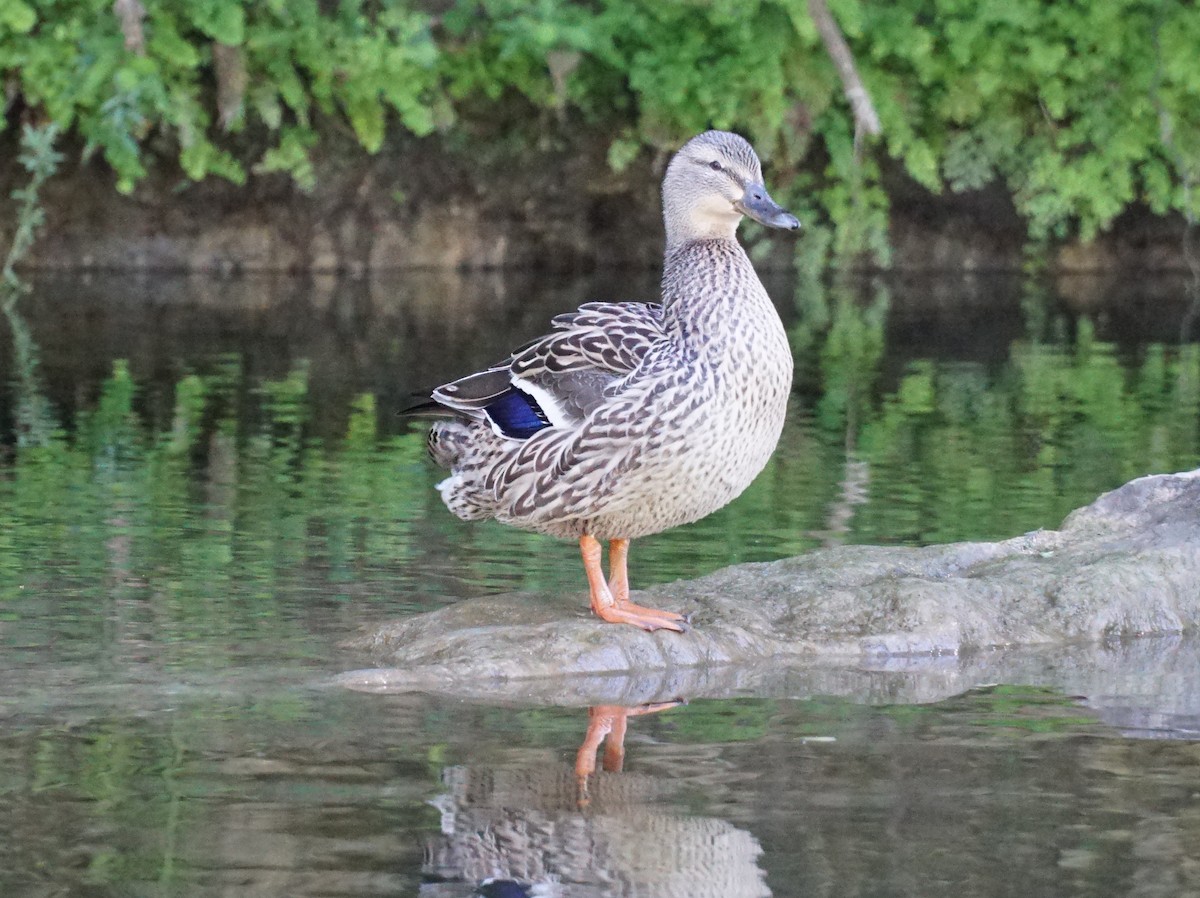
204 487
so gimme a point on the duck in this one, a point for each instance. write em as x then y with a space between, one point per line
627 418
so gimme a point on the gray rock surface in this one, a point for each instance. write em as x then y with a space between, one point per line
910 624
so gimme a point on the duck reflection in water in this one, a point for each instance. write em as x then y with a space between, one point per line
550 831
606 724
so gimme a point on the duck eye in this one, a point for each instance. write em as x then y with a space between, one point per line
715 166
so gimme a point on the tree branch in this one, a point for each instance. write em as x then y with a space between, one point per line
131 13
866 121
229 65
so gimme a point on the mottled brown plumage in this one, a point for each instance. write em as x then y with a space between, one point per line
627 418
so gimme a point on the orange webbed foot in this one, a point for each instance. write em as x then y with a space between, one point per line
647 618
610 600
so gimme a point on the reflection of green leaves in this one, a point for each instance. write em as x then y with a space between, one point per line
211 500
717 721
838 343
957 452
223 500
1028 709
850 360
111 432
191 399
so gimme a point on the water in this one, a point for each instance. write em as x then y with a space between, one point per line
204 488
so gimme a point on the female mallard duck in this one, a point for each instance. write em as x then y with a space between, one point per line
628 419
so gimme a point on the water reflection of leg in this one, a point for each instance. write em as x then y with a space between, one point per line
606 724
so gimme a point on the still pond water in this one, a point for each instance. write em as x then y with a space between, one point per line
204 488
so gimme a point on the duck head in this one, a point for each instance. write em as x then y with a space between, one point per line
714 180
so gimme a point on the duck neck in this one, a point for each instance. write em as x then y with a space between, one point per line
705 285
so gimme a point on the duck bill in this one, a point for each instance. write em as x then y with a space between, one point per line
756 203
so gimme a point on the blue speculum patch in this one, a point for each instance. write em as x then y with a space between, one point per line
517 415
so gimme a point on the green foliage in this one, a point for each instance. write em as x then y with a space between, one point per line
35 422
125 87
40 159
1064 102
1078 109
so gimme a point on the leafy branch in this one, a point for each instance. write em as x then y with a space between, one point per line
40 158
866 119
1062 105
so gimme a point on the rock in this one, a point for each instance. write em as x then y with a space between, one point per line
1127 565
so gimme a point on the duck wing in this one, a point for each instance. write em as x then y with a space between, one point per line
557 380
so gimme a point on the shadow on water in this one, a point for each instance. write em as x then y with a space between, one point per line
203 488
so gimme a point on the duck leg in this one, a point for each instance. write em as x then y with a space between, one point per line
617 608
618 582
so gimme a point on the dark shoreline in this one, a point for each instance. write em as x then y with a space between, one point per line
416 206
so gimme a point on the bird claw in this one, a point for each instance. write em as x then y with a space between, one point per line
652 624
649 619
